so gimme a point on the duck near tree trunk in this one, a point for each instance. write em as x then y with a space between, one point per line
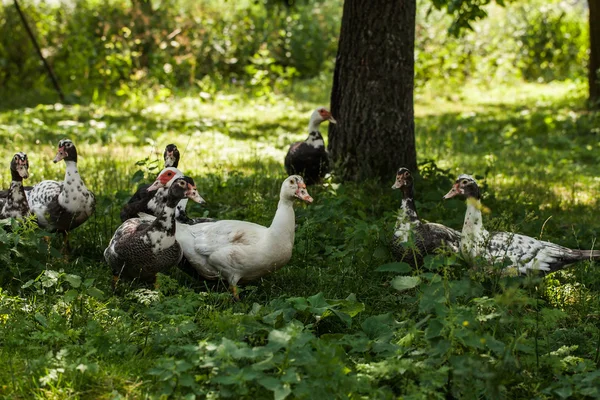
413 238
521 253
15 204
310 158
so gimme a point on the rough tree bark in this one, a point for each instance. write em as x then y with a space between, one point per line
594 77
372 95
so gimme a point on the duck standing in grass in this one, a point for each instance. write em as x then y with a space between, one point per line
427 237
15 204
63 206
140 249
310 158
522 253
241 251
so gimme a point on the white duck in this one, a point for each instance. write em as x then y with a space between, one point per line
241 251
522 253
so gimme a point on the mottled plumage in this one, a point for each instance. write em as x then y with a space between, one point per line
62 206
15 204
140 249
427 237
510 251
310 158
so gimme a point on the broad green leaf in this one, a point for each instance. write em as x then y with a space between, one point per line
378 325
74 280
402 283
137 176
380 253
95 293
280 390
398 267
434 329
41 319
70 295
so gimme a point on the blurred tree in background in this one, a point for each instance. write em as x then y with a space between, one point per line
594 66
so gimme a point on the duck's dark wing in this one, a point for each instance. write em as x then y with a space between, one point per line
141 193
312 163
427 238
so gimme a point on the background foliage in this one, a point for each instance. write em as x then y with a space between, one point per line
120 47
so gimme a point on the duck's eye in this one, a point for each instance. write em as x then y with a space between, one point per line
16 158
464 182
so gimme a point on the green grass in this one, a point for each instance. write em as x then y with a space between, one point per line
451 333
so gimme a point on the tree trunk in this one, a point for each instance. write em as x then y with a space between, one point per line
594 76
372 95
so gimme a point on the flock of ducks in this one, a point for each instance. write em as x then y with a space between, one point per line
156 233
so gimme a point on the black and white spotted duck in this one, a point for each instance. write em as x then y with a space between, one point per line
140 249
309 158
521 253
62 206
427 237
15 205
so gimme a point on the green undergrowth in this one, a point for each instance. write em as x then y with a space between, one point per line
341 320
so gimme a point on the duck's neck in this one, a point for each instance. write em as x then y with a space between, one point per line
165 222
313 125
17 197
315 139
72 177
473 235
408 208
407 217
284 222
16 191
157 202
16 177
